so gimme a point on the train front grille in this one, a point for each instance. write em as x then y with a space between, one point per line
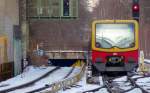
115 60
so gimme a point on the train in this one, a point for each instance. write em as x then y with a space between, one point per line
115 45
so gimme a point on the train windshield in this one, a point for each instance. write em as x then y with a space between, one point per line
115 35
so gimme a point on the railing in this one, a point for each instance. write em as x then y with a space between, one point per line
6 70
55 87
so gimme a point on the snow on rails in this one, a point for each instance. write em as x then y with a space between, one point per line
47 81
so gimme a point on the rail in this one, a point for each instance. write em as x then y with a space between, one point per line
55 87
136 85
9 89
47 86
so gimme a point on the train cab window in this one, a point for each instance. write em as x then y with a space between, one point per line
52 9
115 35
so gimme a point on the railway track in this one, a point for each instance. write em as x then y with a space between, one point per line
135 85
50 85
53 85
29 83
122 86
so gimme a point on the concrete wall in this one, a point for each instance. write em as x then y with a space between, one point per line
75 34
70 34
145 27
9 16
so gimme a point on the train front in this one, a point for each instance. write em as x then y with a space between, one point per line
115 45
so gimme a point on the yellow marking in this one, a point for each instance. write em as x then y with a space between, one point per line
142 67
78 63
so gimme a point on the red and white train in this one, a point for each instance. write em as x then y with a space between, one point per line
115 45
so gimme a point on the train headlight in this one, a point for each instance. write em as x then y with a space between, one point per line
109 60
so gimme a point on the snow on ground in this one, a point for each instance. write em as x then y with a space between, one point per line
103 90
136 90
75 71
136 76
144 82
123 79
56 76
31 73
82 86
147 61
122 83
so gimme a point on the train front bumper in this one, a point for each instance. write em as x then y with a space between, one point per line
102 67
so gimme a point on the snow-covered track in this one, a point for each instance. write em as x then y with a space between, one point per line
29 83
69 73
94 90
107 81
106 84
147 61
66 83
110 86
49 86
135 84
123 84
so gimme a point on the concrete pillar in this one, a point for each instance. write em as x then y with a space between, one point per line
17 56
25 38
24 28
